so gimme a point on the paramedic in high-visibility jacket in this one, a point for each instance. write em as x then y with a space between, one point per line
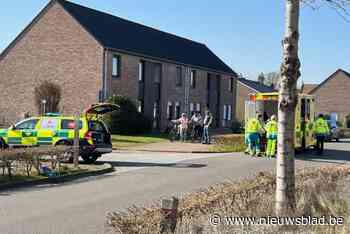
271 131
253 129
321 130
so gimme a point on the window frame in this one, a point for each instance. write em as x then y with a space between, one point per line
16 127
230 85
141 77
178 79
193 79
116 58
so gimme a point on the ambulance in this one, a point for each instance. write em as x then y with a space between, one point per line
54 129
267 104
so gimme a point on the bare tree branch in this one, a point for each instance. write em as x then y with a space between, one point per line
341 7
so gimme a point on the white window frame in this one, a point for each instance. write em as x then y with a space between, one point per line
229 116
198 108
191 107
225 113
141 67
115 65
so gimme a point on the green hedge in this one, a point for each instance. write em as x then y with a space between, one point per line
127 120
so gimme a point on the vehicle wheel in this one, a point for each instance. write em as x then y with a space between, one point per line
68 155
337 139
91 158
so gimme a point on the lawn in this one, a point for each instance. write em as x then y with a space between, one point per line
124 141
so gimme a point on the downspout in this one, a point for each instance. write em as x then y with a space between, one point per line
104 79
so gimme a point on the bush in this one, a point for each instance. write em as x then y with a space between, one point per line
127 120
237 127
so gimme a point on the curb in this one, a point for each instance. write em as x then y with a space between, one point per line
57 180
168 151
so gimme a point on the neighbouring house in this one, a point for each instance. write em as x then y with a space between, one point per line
333 96
244 88
306 88
93 55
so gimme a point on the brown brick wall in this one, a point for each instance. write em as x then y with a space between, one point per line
127 84
56 48
242 96
334 96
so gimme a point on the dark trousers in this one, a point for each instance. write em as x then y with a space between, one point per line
320 143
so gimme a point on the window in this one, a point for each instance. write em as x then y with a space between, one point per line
230 84
27 124
177 111
224 117
141 71
140 106
191 108
193 79
157 73
67 124
178 76
229 113
96 126
115 66
170 111
198 107
51 124
208 81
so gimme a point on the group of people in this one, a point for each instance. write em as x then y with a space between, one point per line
256 129
199 126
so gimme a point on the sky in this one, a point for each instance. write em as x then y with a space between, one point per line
246 35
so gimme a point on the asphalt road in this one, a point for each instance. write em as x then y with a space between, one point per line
80 207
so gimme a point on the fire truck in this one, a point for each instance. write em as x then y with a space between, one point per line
267 104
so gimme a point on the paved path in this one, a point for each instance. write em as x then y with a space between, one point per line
173 147
80 207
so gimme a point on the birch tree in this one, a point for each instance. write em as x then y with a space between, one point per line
290 72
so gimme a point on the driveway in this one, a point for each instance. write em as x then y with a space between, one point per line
140 178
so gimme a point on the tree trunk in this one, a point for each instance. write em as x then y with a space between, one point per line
285 182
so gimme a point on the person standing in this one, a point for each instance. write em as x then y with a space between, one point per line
208 119
196 121
271 134
253 129
321 130
183 126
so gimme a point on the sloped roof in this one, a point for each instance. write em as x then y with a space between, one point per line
308 87
120 34
256 86
330 77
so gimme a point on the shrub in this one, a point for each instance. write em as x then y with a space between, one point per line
127 120
237 127
49 92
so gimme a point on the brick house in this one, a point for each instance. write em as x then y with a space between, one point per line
333 96
244 88
306 88
93 55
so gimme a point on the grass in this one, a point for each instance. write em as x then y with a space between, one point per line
66 169
228 143
125 141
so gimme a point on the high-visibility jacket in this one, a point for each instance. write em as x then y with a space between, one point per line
253 126
321 126
271 127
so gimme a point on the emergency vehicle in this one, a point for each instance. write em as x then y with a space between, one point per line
267 104
54 129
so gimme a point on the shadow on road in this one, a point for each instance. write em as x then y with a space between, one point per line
147 164
329 156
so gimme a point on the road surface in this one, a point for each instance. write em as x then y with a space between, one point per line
80 207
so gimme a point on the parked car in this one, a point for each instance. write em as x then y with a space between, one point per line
335 132
54 129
